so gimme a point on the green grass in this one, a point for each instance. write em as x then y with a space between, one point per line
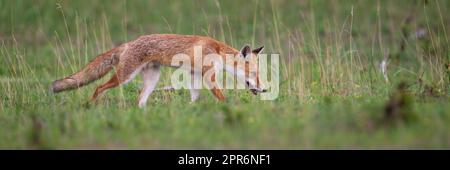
332 92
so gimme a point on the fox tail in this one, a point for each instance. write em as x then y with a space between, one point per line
96 69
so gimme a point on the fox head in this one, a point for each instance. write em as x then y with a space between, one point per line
251 68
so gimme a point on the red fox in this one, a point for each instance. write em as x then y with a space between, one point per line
147 53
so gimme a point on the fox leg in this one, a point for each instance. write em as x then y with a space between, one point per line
113 82
218 93
150 76
195 92
122 76
211 82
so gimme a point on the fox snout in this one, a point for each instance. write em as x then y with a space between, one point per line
255 90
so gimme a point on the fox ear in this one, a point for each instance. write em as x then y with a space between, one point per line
245 50
258 50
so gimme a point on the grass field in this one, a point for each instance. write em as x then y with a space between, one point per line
333 94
